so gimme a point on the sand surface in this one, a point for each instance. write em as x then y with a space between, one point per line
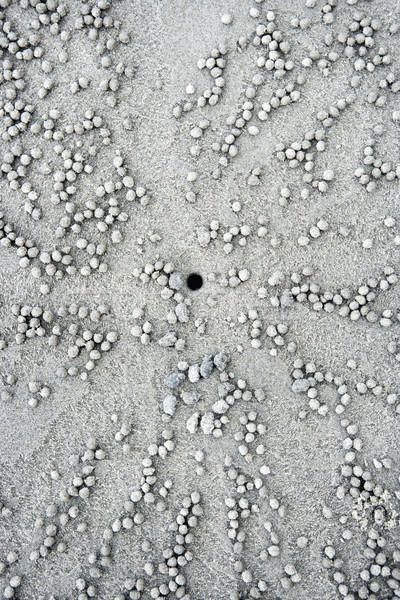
236 441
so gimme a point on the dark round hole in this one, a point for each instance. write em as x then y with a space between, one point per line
194 281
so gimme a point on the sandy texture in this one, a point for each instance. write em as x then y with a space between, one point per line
241 440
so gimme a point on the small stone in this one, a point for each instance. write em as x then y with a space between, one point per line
193 422
190 397
226 19
221 360
194 373
220 407
207 423
174 380
169 404
300 385
206 366
203 236
175 281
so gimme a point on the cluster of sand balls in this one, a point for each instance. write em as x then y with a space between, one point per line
233 236
85 589
215 64
196 133
12 558
57 263
238 124
133 589
254 178
23 48
314 232
234 277
381 575
143 330
258 331
171 282
26 249
16 117
230 391
390 84
66 178
192 373
177 556
77 312
323 62
90 122
281 97
35 321
14 168
369 499
378 390
164 274
360 44
302 153
106 209
95 252
32 321
95 17
248 436
59 515
240 121
10 74
124 431
307 379
269 36
327 10
241 509
48 14
291 575
357 481
145 495
171 340
13 584
94 344
348 304
375 168
38 391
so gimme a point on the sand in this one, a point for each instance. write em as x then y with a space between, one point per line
310 486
